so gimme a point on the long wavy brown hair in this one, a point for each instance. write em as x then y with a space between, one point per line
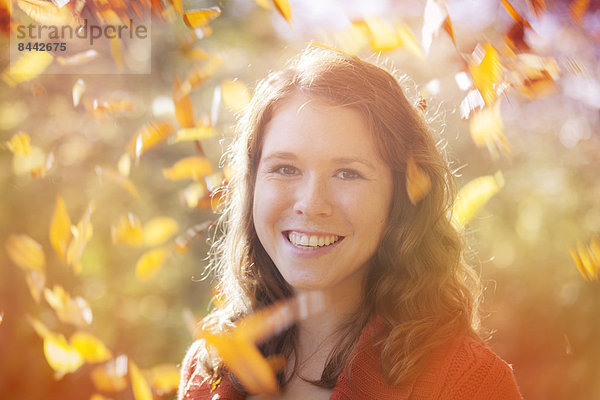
419 284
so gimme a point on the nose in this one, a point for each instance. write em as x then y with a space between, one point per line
313 198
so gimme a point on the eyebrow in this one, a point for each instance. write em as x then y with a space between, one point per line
284 155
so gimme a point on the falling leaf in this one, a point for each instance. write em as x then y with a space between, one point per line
199 18
119 179
515 38
25 252
19 144
472 101
75 310
36 281
139 385
62 357
537 7
79 58
434 16
193 193
587 259
473 196
199 75
40 329
189 168
90 347
182 242
578 9
178 6
382 35
266 4
128 231
235 94
46 13
487 130
78 90
284 8
184 111
514 13
100 108
197 133
164 378
536 76
148 137
82 233
60 228
111 377
487 74
116 50
27 67
41 169
150 263
158 230
124 164
418 183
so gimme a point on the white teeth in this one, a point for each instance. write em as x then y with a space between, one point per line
300 239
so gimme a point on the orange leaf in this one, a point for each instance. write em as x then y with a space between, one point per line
90 347
473 196
199 18
82 233
27 67
178 6
418 183
235 94
486 75
128 231
110 377
139 385
199 75
148 137
189 168
25 252
75 311
536 76
184 112
284 8
578 9
19 144
196 133
538 7
514 13
158 230
60 228
150 263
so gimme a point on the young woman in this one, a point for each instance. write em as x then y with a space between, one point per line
319 201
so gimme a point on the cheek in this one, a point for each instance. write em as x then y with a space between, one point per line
269 203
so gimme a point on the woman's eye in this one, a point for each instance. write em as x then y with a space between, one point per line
285 170
349 174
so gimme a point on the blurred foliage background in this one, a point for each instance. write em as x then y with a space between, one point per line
543 138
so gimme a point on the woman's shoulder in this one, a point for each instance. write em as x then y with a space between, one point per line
466 369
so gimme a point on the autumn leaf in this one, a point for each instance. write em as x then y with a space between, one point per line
182 242
46 13
418 183
578 9
62 357
100 108
19 144
178 6
119 179
82 233
139 385
473 196
128 231
36 281
111 377
90 347
78 90
284 8
148 137
487 130
75 311
60 228
536 76
189 168
158 230
196 133
124 165
486 74
199 75
193 193
382 35
472 101
199 18
514 13
235 94
116 50
184 111
266 4
538 7
587 259
25 252
27 67
150 263
164 378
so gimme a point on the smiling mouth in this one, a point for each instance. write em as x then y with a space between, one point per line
311 242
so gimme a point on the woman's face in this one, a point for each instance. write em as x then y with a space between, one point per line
322 195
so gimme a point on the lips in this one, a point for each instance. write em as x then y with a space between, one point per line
310 240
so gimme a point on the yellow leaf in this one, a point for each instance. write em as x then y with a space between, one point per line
284 8
27 67
473 196
199 75
536 76
486 75
418 183
182 242
124 165
116 50
587 259
46 13
193 193
139 385
90 347
381 33
487 130
184 111
69 310
61 356
78 90
82 233
25 252
199 18
119 179
164 378
189 168
178 6
111 377
150 263
235 94
19 144
39 327
128 230
266 4
148 137
60 228
197 133
158 230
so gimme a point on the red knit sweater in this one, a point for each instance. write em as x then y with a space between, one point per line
465 369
